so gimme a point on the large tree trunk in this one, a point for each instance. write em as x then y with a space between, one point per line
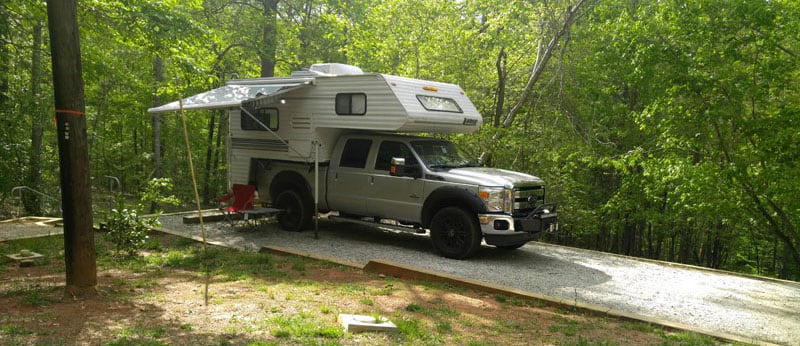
79 252
270 38
34 175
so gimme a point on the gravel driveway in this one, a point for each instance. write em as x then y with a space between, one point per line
758 310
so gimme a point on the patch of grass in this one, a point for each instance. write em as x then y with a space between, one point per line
514 301
10 329
411 328
366 301
444 327
303 325
352 289
565 326
413 307
298 264
36 298
584 342
688 338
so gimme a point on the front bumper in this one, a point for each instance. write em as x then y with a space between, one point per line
504 229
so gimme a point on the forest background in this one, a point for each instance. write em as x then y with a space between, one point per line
664 129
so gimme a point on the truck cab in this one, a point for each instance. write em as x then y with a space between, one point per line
428 183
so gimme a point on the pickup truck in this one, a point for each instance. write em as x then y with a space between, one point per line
415 184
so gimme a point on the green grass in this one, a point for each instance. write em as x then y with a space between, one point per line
10 329
303 325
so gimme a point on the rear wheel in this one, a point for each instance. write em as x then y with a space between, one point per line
455 233
297 210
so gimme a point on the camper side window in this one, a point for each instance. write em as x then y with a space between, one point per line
267 116
355 153
351 104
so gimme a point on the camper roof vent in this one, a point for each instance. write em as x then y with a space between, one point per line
335 69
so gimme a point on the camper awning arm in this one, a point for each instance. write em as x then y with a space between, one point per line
285 142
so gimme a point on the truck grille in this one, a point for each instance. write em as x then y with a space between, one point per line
526 199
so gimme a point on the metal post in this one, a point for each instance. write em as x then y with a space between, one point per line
316 189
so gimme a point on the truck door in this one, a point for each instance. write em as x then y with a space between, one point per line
348 183
393 197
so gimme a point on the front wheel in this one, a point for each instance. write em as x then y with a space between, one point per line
297 211
455 233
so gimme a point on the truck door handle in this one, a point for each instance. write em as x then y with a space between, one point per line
414 196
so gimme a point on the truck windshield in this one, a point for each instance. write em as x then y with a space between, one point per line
437 154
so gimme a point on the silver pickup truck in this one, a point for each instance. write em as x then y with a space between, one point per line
415 184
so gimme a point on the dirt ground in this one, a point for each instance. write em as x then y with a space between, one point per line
164 297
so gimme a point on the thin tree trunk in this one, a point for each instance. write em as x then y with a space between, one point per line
79 251
156 117
34 175
500 98
270 38
209 152
4 59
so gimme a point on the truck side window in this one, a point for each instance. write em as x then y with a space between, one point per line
267 116
355 153
388 150
351 104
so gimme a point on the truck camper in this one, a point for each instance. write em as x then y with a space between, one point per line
335 139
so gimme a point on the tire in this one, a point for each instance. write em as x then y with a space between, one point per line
298 211
455 233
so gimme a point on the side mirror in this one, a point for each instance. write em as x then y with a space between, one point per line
398 168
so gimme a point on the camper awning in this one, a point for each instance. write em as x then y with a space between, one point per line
232 95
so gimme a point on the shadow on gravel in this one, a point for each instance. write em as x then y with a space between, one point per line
525 263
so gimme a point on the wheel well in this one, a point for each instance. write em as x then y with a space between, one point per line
449 196
287 180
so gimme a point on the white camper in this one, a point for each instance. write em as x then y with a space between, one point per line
281 118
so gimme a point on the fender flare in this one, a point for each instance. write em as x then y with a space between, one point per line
449 196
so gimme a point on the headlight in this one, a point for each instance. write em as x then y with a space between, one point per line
497 199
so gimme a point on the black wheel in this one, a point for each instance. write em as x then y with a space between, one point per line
298 211
510 247
455 233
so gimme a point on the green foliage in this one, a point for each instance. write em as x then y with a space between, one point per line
128 231
127 228
663 129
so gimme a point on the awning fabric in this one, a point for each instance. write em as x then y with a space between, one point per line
232 95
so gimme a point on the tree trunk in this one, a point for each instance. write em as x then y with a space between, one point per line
156 117
502 73
209 152
4 59
270 38
33 204
79 252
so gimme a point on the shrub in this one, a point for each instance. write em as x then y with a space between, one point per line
126 226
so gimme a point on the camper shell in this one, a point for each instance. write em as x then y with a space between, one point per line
283 118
